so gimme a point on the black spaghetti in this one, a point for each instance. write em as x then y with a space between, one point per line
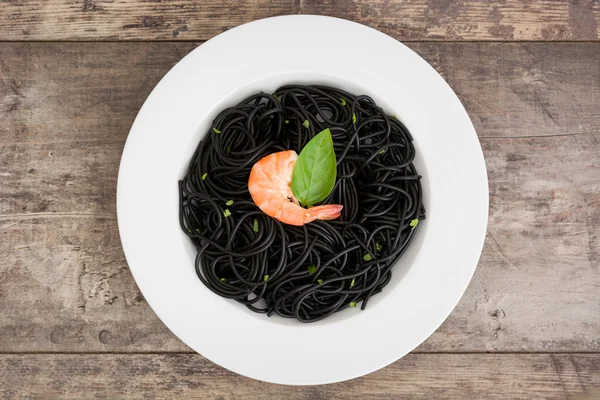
312 271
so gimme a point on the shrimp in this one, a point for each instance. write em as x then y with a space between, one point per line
269 186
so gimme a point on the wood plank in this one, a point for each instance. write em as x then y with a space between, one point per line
518 90
76 178
59 93
54 93
64 285
495 20
187 376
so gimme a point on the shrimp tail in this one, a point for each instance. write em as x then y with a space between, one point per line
328 211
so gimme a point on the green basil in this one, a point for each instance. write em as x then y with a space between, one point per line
315 170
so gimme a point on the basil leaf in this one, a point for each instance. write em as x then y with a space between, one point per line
315 170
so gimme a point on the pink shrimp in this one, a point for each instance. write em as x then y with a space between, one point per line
269 186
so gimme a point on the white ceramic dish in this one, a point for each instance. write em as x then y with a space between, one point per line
430 278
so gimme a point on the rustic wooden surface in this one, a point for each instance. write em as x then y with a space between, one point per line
201 20
189 376
67 109
73 323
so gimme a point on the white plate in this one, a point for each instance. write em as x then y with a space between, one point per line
260 56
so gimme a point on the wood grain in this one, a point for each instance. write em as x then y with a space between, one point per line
494 20
66 110
417 376
65 286
53 93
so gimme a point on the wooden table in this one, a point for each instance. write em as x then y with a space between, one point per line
73 74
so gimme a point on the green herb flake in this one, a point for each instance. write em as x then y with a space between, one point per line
353 118
378 246
216 130
414 223
320 281
266 278
343 101
306 123
312 269
393 116
287 121
352 283
189 230
223 280
382 151
367 257
227 213
274 95
228 150
352 304
230 202
204 175
315 170
255 227
197 230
